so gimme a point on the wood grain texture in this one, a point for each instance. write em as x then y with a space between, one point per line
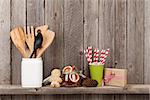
54 18
135 40
129 89
90 35
35 12
120 34
106 31
5 69
73 36
135 30
5 42
107 26
120 38
90 27
147 42
73 32
18 18
35 17
53 57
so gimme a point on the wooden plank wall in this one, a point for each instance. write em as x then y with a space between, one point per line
122 25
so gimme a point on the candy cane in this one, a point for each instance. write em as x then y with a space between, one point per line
97 55
94 57
90 54
102 57
105 56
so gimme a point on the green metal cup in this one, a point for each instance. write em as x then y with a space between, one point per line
96 72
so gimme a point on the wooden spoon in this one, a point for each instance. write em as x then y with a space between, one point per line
48 38
18 38
37 43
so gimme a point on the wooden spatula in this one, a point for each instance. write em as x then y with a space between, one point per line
18 38
48 37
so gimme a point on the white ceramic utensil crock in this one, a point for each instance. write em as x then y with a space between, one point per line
31 72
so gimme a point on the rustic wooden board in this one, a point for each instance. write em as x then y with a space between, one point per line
73 32
135 40
147 42
90 34
120 34
73 36
90 27
106 30
107 26
5 42
53 57
135 30
35 17
35 12
5 69
130 89
54 18
18 18
120 38
146 45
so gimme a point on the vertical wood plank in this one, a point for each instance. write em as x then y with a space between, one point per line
53 97
73 97
90 27
120 33
35 12
73 31
35 97
5 42
106 31
135 40
35 17
90 34
147 43
54 18
107 26
5 69
135 30
120 38
18 18
54 55
73 36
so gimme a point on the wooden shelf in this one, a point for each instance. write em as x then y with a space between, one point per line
129 89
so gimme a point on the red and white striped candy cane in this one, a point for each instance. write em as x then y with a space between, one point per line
96 55
102 57
86 55
90 54
105 55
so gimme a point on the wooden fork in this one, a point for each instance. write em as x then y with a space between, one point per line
29 36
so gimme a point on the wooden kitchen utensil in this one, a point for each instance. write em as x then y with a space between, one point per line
37 43
18 38
29 37
48 37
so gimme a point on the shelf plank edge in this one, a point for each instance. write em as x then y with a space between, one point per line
129 89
